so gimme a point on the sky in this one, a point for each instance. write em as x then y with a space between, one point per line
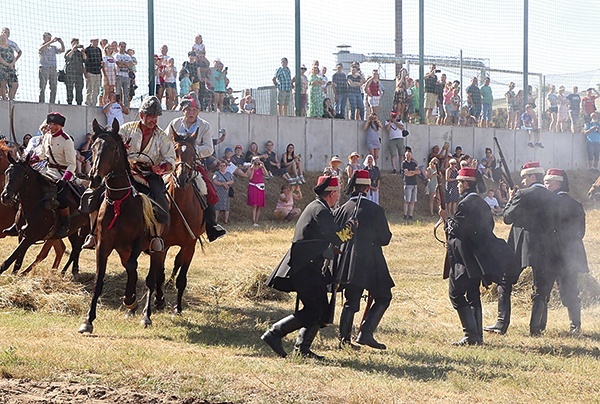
251 36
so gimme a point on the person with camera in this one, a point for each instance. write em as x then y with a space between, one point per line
431 95
256 188
395 126
223 181
293 163
74 69
373 126
115 109
47 69
302 270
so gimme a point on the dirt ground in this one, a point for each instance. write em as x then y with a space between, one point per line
27 391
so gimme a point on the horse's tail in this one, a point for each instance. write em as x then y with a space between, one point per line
149 219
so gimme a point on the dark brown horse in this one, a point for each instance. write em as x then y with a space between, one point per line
187 222
7 218
25 184
124 220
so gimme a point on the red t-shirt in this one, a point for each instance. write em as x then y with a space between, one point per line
589 104
374 88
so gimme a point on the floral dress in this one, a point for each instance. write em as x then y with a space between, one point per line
315 98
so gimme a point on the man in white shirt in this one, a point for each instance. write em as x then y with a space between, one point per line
124 63
115 109
395 126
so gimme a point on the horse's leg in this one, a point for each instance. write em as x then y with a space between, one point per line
43 254
102 254
187 253
18 261
156 262
17 254
129 261
159 300
176 267
76 242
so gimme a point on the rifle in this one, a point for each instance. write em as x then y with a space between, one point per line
505 168
337 276
442 195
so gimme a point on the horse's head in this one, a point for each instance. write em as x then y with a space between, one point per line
15 176
185 157
108 152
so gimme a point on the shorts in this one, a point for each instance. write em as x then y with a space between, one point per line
374 100
396 147
486 114
171 85
553 110
283 97
430 100
410 193
303 100
574 116
475 111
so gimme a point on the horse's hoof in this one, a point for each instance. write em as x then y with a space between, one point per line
159 304
130 313
177 312
86 328
146 322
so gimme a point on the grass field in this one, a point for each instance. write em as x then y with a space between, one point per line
213 351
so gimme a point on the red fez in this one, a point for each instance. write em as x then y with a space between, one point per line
467 174
333 182
533 167
362 177
57 118
555 174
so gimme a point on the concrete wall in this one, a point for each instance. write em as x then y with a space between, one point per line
319 139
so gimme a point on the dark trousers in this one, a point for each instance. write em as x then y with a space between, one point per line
311 287
464 291
354 293
543 281
158 194
74 81
63 196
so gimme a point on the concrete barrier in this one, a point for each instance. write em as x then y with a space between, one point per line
318 139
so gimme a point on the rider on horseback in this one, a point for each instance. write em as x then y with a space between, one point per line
186 126
151 154
55 160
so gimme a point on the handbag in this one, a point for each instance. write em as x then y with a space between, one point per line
405 133
61 76
230 192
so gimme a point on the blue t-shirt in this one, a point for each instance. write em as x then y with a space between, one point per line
594 135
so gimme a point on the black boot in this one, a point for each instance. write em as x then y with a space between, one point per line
503 321
467 319
575 318
213 230
538 311
63 223
365 336
11 231
305 338
478 322
346 320
279 330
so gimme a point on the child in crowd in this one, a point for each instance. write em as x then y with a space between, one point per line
185 84
285 209
492 202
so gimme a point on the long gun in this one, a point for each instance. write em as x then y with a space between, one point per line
505 168
442 195
337 276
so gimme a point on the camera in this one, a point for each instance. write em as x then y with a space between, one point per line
437 71
118 97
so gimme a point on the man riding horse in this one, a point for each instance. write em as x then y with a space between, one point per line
185 126
55 160
151 154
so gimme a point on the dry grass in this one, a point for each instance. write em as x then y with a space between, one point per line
213 350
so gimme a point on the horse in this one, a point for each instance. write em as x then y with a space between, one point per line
124 219
25 184
187 224
594 192
7 218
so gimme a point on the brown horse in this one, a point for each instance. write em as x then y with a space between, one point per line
123 222
7 218
187 222
25 184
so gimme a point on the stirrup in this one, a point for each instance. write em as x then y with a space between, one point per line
157 244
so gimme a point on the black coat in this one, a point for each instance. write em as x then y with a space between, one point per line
473 248
362 263
315 231
533 214
571 229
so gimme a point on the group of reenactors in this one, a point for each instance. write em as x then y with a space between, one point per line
341 250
